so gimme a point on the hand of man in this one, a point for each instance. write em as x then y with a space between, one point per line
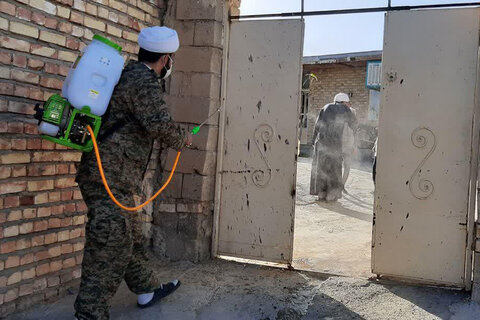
189 140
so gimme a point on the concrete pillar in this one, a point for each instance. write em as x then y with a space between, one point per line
183 217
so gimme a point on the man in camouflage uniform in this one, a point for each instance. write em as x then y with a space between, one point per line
137 115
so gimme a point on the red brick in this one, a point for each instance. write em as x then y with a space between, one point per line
54 223
51 83
65 182
82 206
31 128
44 212
69 208
68 263
72 44
15 127
38 18
38 240
12 261
19 144
20 61
26 259
64 70
26 228
7 89
12 187
21 107
61 169
55 251
24 244
48 145
27 200
79 259
11 202
51 23
54 196
77 220
24 76
41 198
73 169
65 27
5 172
76 17
28 274
8 247
51 238
15 44
23 92
3 125
42 269
40 185
40 225
67 195
5 58
51 68
41 255
29 213
3 217
19 171
34 144
76 233
78 246
24 14
36 94
14 215
56 266
5 144
56 210
7 8
67 248
35 64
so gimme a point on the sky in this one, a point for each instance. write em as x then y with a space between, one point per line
336 33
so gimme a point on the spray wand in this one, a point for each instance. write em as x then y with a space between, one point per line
197 128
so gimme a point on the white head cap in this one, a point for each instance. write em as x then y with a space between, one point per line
158 39
341 97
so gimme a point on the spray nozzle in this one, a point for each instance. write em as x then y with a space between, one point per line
195 130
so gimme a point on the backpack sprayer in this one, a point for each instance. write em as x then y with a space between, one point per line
74 120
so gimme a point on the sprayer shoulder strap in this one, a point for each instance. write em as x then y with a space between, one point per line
116 126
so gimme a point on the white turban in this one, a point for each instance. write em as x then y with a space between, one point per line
158 39
341 97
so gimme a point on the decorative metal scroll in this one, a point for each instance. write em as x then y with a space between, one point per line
263 137
421 188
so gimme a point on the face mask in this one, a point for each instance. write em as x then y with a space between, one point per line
167 70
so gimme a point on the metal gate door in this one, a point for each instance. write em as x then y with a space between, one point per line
258 162
426 146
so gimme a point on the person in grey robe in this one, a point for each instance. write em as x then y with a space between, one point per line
326 177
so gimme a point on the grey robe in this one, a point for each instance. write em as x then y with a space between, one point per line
327 141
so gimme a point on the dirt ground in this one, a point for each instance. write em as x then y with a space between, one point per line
221 290
335 237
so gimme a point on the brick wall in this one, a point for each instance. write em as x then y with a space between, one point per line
335 78
42 215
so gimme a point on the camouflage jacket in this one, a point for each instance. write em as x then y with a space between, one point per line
137 115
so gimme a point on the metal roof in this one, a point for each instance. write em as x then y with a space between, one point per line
343 57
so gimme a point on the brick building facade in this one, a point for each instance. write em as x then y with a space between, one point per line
339 73
42 215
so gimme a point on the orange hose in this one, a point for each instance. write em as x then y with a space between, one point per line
104 180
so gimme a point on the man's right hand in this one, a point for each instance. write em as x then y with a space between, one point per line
188 140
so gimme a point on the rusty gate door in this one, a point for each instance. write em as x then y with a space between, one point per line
427 147
257 166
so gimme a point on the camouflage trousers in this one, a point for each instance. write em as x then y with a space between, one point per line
114 251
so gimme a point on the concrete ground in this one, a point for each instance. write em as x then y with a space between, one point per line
227 290
335 237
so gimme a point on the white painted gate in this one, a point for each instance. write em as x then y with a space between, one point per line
256 188
427 147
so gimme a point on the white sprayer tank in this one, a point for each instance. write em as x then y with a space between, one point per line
92 78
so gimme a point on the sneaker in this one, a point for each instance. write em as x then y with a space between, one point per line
162 292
